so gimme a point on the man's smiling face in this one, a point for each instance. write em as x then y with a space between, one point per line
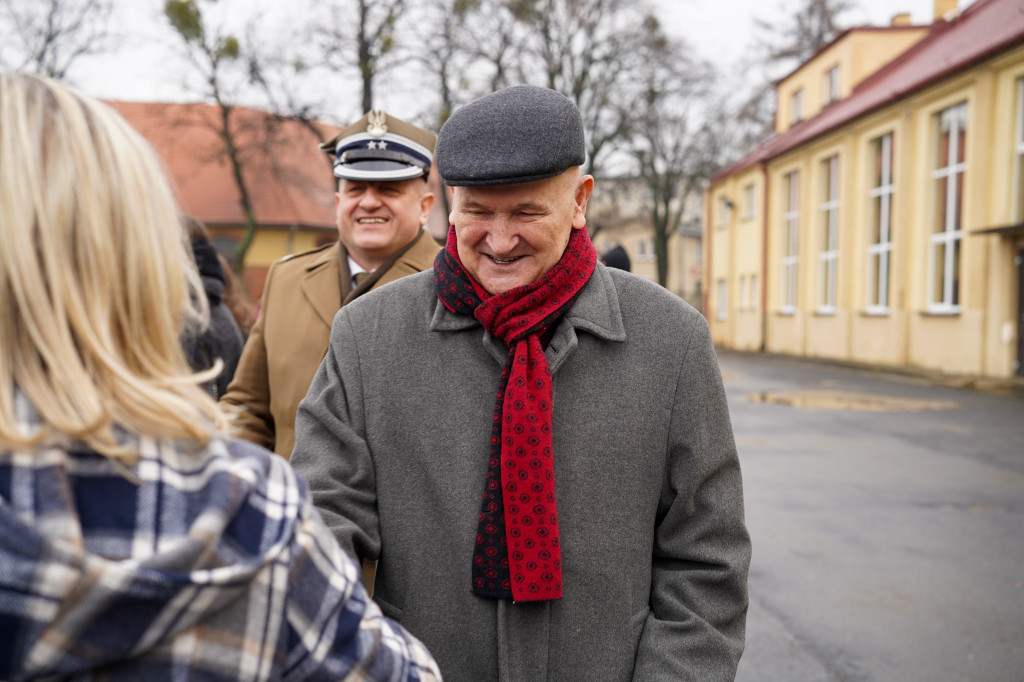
376 219
511 235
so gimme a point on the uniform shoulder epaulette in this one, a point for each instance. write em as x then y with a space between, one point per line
301 254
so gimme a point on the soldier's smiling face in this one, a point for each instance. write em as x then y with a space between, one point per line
376 219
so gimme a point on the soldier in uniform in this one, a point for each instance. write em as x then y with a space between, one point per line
382 203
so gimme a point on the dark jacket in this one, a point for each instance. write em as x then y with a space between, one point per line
222 338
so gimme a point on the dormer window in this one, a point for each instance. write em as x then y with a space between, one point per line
830 86
796 106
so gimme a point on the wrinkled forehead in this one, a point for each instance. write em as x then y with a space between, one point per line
545 191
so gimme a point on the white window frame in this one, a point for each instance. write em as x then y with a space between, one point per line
752 283
950 235
796 106
1018 166
722 293
828 256
790 235
878 289
830 86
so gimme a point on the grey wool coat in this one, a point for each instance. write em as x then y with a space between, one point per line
393 438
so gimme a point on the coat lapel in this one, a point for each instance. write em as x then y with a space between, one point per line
321 285
596 311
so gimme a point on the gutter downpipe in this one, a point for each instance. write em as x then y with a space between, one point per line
706 271
764 259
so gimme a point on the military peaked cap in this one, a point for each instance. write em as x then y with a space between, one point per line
380 147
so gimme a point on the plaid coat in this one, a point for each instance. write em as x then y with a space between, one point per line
198 564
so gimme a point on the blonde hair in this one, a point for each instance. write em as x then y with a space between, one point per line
96 279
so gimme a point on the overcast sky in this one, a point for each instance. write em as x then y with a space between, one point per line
719 30
722 29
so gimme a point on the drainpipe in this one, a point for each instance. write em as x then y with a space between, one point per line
764 258
706 274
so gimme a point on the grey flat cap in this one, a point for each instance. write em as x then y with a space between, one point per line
518 134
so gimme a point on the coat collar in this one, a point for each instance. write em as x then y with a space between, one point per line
321 283
596 311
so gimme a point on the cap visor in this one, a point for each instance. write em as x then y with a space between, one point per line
377 170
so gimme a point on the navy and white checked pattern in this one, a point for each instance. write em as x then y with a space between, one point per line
199 565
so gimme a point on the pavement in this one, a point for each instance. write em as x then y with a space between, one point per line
886 512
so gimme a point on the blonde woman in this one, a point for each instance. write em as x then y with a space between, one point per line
136 540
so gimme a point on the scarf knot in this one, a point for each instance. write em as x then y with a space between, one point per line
518 546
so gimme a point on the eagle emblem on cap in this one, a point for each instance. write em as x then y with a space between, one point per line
376 123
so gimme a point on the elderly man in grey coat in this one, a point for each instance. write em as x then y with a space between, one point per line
535 448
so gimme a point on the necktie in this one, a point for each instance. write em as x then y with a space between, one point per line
360 276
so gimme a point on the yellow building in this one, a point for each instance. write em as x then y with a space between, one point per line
618 214
884 223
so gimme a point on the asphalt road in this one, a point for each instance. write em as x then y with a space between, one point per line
888 544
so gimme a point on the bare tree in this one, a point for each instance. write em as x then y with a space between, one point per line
213 54
587 50
48 37
779 47
675 142
370 47
448 52
811 25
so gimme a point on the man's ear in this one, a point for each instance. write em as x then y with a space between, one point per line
426 204
583 190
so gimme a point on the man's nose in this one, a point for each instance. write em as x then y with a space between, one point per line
503 237
370 198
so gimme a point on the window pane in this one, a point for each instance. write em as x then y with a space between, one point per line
961 143
959 201
940 204
877 171
944 139
886 219
938 272
1020 187
876 220
883 281
956 272
874 263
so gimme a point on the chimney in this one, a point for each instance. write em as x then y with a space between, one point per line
901 19
944 9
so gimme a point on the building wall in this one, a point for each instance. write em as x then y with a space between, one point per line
858 54
979 335
619 208
735 242
268 245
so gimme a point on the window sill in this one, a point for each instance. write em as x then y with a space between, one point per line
941 313
825 312
875 313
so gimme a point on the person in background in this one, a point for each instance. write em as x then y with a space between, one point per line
137 541
616 257
381 164
222 339
534 447
235 299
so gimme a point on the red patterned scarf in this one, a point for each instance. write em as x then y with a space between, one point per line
518 554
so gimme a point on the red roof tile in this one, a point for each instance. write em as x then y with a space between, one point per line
289 181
